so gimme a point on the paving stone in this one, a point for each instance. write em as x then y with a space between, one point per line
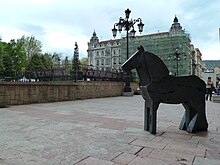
213 153
103 153
117 164
171 156
185 143
99 130
158 139
149 161
177 136
145 152
212 149
94 161
200 161
124 158
149 144
186 150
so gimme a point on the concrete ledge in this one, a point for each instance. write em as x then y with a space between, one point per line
13 93
216 98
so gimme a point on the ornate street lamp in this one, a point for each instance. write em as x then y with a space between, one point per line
128 25
177 56
76 61
194 65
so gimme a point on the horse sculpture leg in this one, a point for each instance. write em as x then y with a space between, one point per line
199 121
187 117
148 105
150 116
194 118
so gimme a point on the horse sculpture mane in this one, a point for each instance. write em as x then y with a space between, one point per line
159 87
150 61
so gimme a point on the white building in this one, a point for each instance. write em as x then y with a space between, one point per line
104 55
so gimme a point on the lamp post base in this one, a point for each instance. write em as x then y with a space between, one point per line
127 89
127 94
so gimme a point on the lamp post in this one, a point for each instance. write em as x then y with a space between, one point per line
75 61
177 56
128 26
194 65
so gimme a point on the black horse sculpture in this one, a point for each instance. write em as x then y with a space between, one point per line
157 86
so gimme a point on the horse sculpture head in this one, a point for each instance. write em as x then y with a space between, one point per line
149 66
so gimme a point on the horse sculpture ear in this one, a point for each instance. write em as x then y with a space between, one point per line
141 48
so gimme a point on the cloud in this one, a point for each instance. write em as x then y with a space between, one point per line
58 24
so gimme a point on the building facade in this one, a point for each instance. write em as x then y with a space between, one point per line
104 55
198 63
173 47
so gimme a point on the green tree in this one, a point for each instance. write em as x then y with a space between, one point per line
84 61
2 52
17 54
56 59
66 62
46 60
16 51
34 64
6 60
8 70
31 45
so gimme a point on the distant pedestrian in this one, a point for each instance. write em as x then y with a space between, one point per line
209 88
217 87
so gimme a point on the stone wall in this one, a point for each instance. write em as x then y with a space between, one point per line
42 92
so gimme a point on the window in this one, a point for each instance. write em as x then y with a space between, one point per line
107 61
114 60
91 54
107 52
102 62
97 62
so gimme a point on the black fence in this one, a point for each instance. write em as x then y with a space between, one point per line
103 75
86 75
50 75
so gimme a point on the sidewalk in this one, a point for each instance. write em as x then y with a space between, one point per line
105 131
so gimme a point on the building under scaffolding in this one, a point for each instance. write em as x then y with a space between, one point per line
173 47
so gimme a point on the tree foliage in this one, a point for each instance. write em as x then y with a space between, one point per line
35 63
8 69
20 57
14 55
84 61
31 45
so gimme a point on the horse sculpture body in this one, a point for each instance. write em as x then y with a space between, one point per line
157 86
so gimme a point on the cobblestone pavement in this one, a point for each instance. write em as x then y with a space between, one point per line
105 131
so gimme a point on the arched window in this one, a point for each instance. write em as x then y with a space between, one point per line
102 62
114 52
97 62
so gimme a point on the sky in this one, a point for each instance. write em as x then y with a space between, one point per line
58 24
